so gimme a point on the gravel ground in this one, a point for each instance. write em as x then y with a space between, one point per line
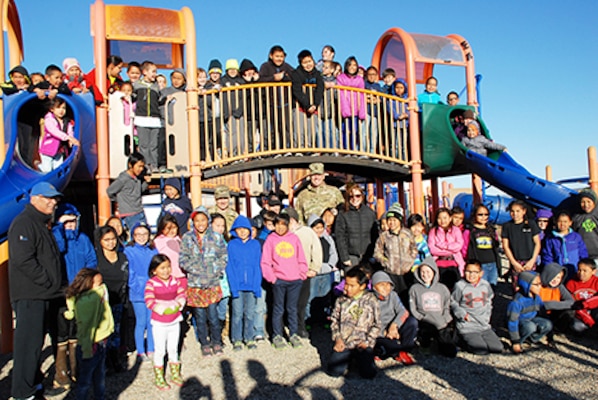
567 372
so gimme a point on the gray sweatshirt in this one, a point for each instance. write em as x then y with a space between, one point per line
475 302
126 190
391 308
481 144
430 304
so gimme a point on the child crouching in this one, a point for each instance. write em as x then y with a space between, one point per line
355 327
522 312
165 297
399 329
87 302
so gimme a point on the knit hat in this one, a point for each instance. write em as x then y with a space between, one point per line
302 54
316 168
588 193
395 211
231 63
468 114
274 201
215 66
221 192
173 182
474 124
542 213
291 212
69 63
180 71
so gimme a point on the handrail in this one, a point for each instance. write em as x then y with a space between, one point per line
263 120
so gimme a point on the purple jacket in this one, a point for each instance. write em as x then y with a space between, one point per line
54 135
352 103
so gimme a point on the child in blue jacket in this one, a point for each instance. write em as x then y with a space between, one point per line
564 246
245 281
522 313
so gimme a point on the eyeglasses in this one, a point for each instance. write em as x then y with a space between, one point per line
453 98
543 221
472 272
141 234
109 240
483 215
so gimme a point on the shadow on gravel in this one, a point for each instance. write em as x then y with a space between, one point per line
264 388
192 389
490 383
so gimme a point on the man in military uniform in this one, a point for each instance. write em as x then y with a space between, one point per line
318 196
222 207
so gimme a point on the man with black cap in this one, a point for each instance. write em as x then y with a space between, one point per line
35 279
586 223
318 196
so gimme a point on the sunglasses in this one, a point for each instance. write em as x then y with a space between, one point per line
355 196
483 215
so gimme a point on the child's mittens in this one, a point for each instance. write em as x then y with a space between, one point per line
167 307
172 310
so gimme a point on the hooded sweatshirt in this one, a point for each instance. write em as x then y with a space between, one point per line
430 304
243 268
75 247
392 311
283 258
179 207
525 305
139 257
300 77
558 297
586 224
329 253
564 249
475 303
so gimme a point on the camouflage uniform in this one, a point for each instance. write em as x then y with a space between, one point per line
356 320
315 200
229 215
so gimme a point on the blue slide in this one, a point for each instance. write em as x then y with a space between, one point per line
510 177
17 178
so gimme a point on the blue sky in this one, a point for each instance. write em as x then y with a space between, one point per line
538 58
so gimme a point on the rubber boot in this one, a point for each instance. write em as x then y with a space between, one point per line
159 378
73 359
175 373
61 377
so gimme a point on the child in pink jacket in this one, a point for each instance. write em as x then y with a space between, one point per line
58 136
352 104
445 242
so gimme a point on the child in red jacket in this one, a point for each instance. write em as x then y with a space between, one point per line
584 288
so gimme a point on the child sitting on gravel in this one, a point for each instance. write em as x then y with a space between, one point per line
472 307
355 327
522 312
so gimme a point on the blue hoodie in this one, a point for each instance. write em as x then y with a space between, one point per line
139 260
525 305
243 269
75 247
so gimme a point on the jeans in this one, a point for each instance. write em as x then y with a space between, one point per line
131 220
143 326
92 371
490 273
148 144
114 339
534 329
260 313
203 317
242 317
222 308
286 296
391 347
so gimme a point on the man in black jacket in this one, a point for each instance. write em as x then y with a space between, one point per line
35 278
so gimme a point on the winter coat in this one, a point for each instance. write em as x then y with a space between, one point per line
525 305
243 268
356 232
446 244
139 260
352 103
55 135
396 252
565 250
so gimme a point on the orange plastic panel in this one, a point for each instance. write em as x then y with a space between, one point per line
144 24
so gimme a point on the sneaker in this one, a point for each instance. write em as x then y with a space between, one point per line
206 351
251 345
405 358
295 341
217 349
238 346
143 357
278 156
259 338
302 333
278 342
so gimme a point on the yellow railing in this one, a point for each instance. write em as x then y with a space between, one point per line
263 120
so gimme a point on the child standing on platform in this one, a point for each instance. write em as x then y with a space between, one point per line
87 302
147 114
165 297
58 136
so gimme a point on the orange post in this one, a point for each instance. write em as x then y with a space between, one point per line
98 23
593 168
445 194
548 173
192 107
476 188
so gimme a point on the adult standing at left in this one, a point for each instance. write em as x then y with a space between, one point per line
35 279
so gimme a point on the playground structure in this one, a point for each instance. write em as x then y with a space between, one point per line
281 136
